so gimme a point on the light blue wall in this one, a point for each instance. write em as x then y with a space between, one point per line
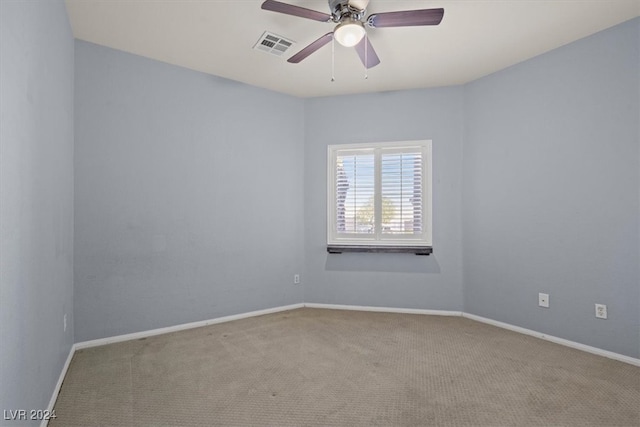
387 280
188 196
551 179
36 200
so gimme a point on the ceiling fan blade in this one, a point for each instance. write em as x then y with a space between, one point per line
369 57
359 4
311 48
289 9
406 18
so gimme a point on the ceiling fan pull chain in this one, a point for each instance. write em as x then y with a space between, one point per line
366 44
333 59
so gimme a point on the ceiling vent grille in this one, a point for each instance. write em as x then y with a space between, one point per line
273 44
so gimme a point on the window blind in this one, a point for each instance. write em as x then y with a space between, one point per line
355 193
401 189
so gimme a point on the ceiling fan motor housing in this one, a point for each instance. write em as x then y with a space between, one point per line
341 10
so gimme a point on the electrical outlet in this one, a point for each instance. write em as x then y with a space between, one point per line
296 279
601 311
64 322
543 300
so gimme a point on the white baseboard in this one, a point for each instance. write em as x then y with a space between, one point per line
182 327
56 390
383 309
561 341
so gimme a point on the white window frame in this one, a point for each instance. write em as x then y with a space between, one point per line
378 239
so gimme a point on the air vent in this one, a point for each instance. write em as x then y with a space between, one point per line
273 44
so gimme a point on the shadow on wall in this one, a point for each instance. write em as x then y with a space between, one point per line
392 263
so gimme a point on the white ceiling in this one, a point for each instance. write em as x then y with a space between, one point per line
475 38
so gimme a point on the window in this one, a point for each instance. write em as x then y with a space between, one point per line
379 197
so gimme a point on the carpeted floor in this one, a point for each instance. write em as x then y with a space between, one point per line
312 367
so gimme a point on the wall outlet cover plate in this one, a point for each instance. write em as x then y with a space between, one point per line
543 300
601 311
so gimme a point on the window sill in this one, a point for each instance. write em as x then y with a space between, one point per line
418 250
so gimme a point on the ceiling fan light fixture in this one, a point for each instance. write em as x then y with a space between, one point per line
349 32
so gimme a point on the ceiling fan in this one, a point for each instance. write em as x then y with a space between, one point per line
350 31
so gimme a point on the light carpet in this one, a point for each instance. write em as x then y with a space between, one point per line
314 367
